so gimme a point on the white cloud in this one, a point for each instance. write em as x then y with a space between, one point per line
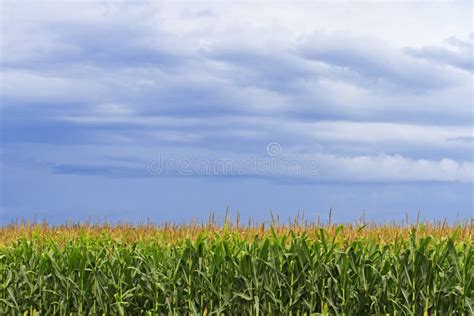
395 168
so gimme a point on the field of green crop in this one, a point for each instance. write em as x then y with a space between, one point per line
253 271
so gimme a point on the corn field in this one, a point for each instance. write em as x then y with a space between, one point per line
295 269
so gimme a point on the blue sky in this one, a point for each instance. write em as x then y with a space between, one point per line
125 109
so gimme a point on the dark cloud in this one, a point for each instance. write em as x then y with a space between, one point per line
462 139
373 64
460 54
100 170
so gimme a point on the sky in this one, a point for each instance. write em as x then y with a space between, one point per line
169 111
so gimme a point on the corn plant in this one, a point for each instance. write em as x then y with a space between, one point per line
291 271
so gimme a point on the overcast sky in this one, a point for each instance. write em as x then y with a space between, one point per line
103 103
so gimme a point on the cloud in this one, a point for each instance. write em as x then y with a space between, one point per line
397 168
92 91
462 139
206 77
98 170
319 168
457 52
373 63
